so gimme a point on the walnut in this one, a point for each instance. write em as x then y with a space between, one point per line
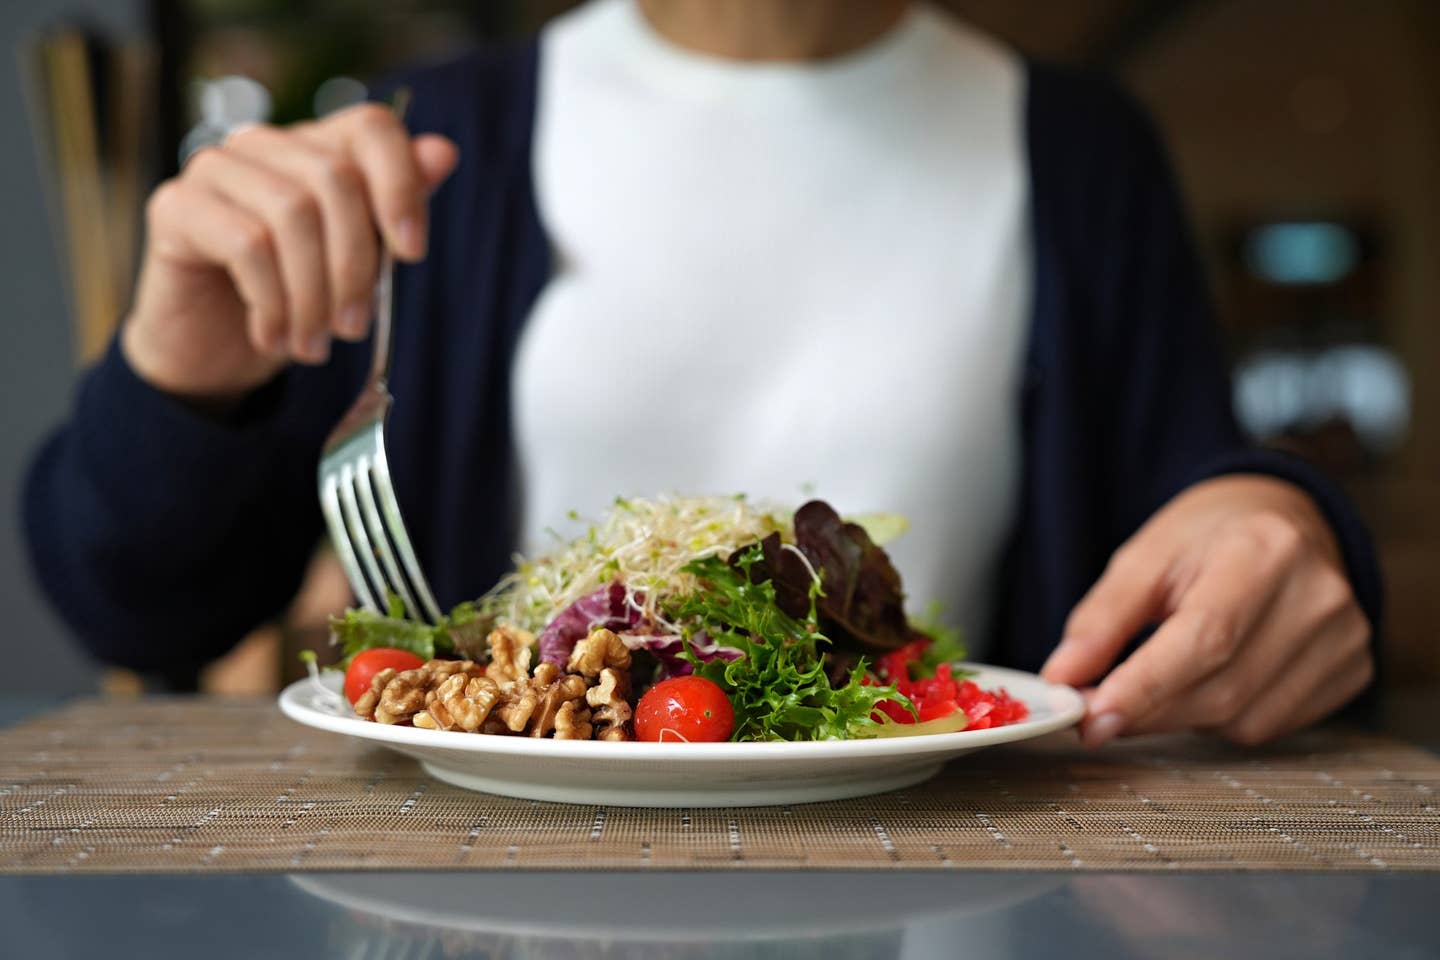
572 722
365 706
609 698
601 649
552 692
403 696
510 651
518 707
442 669
461 695
395 697
461 702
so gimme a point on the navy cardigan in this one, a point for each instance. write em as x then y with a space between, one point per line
163 536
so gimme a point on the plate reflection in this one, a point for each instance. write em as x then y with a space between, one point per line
669 915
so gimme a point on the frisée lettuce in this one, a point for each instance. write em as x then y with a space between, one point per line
778 686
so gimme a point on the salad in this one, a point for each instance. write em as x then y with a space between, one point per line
680 619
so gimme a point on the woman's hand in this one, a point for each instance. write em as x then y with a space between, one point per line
265 248
1259 633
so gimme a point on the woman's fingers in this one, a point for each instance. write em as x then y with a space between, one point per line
437 158
194 222
397 186
1129 595
1220 698
1262 633
1265 654
292 215
347 228
1334 666
1327 675
1214 616
265 247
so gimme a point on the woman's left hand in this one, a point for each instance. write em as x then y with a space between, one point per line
1259 633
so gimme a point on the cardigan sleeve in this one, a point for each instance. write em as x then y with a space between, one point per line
1169 397
163 536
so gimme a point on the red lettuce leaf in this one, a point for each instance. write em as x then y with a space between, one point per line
862 605
606 607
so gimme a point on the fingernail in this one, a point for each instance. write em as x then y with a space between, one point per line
1103 729
352 320
1059 649
276 345
316 347
1055 655
412 241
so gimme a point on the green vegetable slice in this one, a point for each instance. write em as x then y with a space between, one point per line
954 723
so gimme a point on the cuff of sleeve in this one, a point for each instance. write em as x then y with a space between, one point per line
151 444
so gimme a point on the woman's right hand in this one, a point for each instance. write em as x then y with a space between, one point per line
266 247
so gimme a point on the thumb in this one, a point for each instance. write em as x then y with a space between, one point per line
1129 595
436 156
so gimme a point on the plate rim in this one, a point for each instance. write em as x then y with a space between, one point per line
1066 707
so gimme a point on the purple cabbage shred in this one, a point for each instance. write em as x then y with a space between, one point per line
605 607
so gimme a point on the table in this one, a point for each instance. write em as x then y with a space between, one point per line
829 915
895 914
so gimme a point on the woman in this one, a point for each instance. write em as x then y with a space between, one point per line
717 245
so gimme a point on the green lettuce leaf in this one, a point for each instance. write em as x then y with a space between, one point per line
461 633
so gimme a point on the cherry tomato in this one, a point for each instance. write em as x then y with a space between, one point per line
367 663
690 709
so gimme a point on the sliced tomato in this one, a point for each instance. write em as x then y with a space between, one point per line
933 709
895 665
943 695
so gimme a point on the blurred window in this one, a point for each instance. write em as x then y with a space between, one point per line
1301 253
1288 393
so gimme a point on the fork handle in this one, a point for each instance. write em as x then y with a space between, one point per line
384 319
385 281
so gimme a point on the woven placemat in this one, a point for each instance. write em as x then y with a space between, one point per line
207 785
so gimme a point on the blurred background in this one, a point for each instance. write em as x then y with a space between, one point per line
1306 134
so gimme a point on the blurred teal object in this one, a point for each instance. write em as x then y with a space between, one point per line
1302 254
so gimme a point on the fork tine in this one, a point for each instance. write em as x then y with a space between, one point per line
390 509
358 535
330 506
381 542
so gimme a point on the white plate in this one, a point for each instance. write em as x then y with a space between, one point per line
688 774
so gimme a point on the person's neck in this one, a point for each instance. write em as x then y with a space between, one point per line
773 29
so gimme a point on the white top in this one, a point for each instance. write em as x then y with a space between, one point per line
787 280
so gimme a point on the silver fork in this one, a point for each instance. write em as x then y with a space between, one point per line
356 494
